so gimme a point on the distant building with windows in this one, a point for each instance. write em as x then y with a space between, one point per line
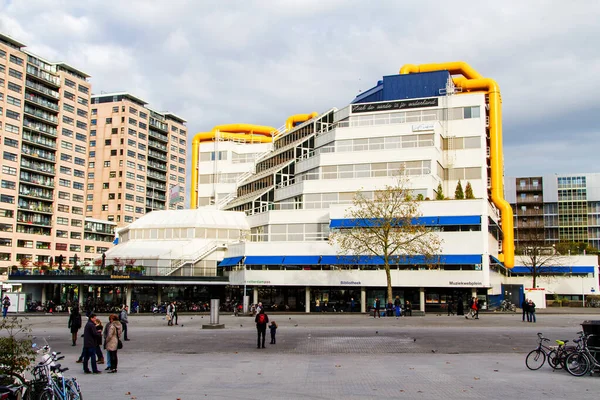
137 159
565 206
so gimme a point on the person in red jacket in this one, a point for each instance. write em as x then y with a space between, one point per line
261 320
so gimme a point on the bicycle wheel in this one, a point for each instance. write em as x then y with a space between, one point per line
47 394
73 390
578 364
535 359
554 359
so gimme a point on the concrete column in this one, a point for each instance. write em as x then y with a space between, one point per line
363 300
43 294
128 293
474 292
422 299
255 295
307 299
158 296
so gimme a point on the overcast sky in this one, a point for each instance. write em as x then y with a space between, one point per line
216 62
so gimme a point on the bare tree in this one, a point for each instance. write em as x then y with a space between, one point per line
536 253
387 228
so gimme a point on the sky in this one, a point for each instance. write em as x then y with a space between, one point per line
258 62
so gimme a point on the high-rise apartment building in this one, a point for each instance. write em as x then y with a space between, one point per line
561 207
137 159
44 127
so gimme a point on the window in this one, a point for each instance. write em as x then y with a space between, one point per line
107 142
13 115
8 185
143 115
132 121
92 164
78 210
11 128
132 132
66 157
62 234
69 95
61 246
62 221
93 132
80 149
109 120
13 100
65 170
92 154
78 198
81 137
64 195
15 74
92 143
10 156
128 196
4 198
129 186
114 131
11 142
111 196
67 132
9 170
69 83
78 185
16 60
106 164
81 125
79 161
76 222
68 107
63 208
105 185
113 152
68 120
64 182
142 136
14 87
139 199
112 174
81 100
90 186
83 89
66 145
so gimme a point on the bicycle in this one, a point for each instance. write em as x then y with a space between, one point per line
584 360
558 355
536 358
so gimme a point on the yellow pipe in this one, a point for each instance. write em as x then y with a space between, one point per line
472 81
294 119
246 132
455 68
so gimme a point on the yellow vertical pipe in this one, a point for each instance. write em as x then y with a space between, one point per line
194 183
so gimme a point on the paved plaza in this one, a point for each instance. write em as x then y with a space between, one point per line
329 356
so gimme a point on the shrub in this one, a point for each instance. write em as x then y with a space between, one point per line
16 351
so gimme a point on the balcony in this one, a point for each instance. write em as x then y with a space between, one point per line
530 200
156 135
157 155
157 145
37 180
40 114
42 89
156 175
39 140
40 127
156 165
40 101
43 76
33 219
37 153
38 167
36 193
157 196
159 125
37 207
529 188
159 186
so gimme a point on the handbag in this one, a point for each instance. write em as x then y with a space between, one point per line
119 344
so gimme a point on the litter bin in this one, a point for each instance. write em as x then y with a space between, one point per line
593 328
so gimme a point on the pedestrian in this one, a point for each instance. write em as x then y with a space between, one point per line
531 309
273 329
407 308
259 308
398 306
317 305
175 312
261 320
377 307
389 308
170 314
112 341
90 341
5 305
74 324
525 307
473 309
105 333
352 304
124 321
451 307
100 329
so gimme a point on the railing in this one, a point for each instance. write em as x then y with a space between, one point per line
157 186
42 89
43 75
38 166
41 114
38 126
392 118
40 101
157 145
158 136
39 139
194 258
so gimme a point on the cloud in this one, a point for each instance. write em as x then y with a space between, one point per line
216 62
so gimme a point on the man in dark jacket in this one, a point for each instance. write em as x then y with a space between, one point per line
91 337
261 320
124 320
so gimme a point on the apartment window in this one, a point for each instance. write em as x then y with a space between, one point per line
130 153
81 100
11 128
114 152
181 170
80 161
10 156
140 189
89 208
80 149
94 111
13 115
105 185
9 170
64 182
68 107
142 136
69 95
90 186
111 196
93 132
142 146
61 246
90 197
69 83
16 60
107 142
81 137
79 173
92 154
78 198
13 100
66 145
141 157
62 221
82 113
4 198
76 222
11 142
64 195
8 185
106 164
81 125
68 120
63 208
129 186
78 185
76 235
181 179
92 164
139 199
14 87
62 234
471 112
109 120
83 89
110 218
67 132
65 170
112 174
92 143
132 121
66 157
132 132
15 74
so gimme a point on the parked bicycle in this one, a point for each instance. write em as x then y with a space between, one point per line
584 360
506 305
536 358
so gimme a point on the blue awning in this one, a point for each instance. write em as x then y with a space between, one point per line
451 259
227 262
425 221
263 260
555 270
301 260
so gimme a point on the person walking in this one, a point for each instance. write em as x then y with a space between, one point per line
124 321
317 305
473 309
377 307
261 320
175 312
352 304
5 305
115 328
531 311
74 324
451 307
273 329
105 333
170 308
90 342
398 306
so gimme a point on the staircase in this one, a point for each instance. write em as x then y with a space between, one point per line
193 258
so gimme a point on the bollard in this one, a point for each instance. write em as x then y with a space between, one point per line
214 311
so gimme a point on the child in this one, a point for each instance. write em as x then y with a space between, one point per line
273 328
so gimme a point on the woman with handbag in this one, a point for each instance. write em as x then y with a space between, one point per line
113 341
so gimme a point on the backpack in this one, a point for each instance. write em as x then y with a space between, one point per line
262 319
6 302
